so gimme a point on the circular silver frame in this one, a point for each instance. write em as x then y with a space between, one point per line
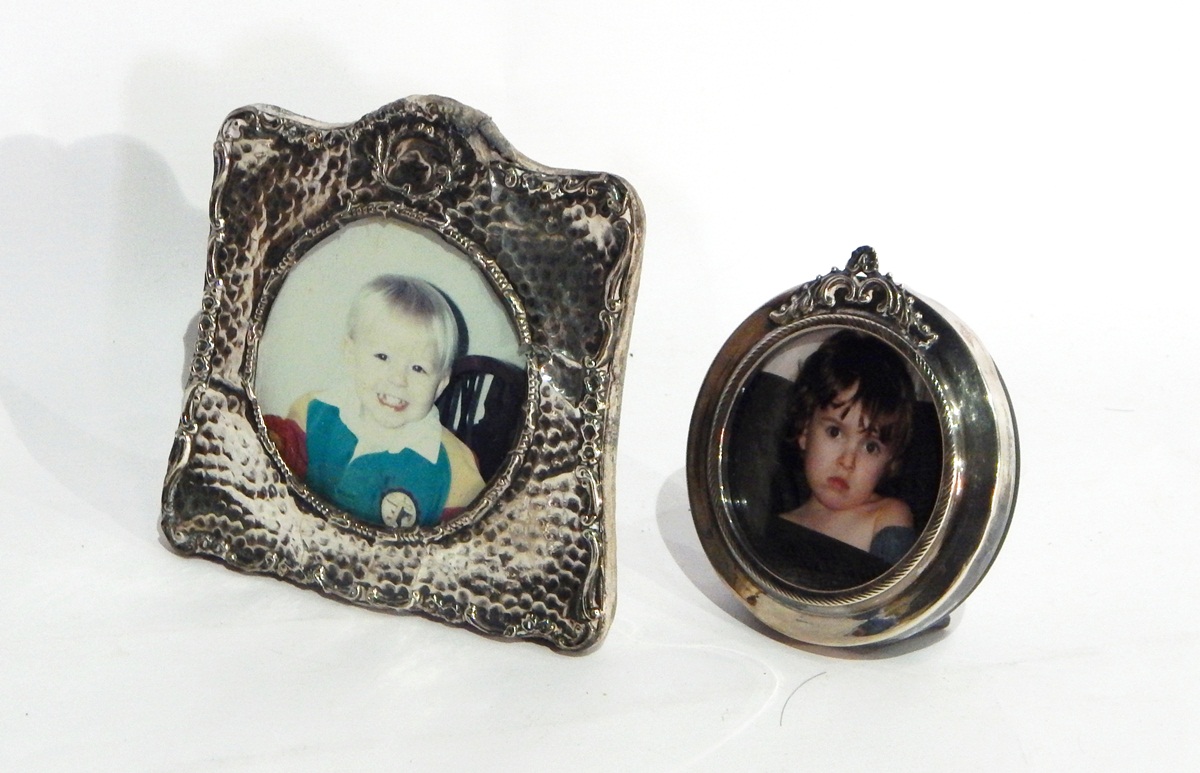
979 461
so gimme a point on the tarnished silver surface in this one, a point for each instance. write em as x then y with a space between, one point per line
533 556
979 461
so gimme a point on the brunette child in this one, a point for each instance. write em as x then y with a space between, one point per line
852 418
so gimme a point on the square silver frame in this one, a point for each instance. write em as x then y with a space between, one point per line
978 471
532 558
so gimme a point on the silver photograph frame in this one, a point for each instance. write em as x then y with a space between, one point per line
971 488
531 557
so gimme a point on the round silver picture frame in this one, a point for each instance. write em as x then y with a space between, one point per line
761 503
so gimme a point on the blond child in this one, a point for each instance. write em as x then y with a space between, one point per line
375 445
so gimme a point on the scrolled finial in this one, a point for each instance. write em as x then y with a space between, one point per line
863 261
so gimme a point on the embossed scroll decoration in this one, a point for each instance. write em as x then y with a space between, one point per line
861 285
531 557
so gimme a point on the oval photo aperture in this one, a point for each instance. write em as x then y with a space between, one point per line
835 459
390 375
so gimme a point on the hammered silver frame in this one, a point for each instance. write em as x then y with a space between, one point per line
533 557
980 461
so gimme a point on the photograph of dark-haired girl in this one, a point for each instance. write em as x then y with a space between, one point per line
842 500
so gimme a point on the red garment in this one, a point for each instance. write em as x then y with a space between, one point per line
289 439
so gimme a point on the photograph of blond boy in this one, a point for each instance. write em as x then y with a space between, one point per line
373 445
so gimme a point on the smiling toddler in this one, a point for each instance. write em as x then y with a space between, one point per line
375 445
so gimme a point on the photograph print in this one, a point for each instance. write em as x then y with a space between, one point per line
390 376
834 459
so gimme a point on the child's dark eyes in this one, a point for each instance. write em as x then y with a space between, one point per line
383 357
874 447
832 430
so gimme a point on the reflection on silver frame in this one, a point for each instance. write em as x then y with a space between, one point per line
822 567
527 556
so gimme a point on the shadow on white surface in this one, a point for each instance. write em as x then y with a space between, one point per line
101 253
190 336
678 532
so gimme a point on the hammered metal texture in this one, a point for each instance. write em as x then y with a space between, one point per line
533 557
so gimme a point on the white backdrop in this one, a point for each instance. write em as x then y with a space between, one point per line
1030 165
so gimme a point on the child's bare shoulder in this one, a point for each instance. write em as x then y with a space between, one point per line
890 511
